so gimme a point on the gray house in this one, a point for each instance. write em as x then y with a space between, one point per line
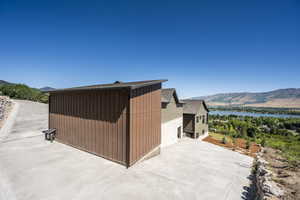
171 117
195 118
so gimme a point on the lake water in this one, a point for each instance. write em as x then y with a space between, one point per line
221 112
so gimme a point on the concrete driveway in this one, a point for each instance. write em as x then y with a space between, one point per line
33 169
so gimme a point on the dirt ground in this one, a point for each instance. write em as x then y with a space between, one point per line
286 176
239 146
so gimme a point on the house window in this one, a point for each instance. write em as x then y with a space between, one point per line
163 105
197 119
203 119
179 132
207 118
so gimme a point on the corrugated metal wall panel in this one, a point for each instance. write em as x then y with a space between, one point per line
108 123
145 121
95 121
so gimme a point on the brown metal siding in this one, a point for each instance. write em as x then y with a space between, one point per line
145 121
94 121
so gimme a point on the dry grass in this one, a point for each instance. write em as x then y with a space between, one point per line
239 145
279 103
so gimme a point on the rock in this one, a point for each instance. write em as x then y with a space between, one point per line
282 174
270 188
5 103
267 189
280 166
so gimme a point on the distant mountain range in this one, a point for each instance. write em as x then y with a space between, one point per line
282 98
46 89
286 98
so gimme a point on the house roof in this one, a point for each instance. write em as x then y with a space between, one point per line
167 95
117 84
193 106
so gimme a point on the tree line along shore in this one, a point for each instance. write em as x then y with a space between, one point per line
262 110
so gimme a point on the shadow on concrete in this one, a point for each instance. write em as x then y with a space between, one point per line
249 193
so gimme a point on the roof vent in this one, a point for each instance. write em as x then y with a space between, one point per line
117 82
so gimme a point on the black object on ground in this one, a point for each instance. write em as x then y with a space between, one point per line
50 134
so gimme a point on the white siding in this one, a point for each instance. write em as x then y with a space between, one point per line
169 132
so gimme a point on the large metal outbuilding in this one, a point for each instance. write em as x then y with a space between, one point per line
120 121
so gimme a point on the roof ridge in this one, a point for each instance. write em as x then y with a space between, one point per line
132 85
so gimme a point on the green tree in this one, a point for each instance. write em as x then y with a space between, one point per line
251 132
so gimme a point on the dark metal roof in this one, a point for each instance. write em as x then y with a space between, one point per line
167 94
115 85
193 106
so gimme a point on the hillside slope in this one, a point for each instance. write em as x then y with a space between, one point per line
288 98
4 82
22 91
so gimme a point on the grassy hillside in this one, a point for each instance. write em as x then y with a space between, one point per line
289 98
21 91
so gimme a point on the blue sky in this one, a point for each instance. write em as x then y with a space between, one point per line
202 47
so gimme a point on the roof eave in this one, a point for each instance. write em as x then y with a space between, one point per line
85 89
132 87
147 84
205 106
189 113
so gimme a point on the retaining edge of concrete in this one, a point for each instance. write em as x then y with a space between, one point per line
9 121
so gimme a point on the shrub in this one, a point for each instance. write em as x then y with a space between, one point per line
254 168
263 142
243 132
224 140
247 144
251 132
234 141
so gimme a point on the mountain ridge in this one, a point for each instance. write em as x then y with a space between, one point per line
46 89
288 97
4 82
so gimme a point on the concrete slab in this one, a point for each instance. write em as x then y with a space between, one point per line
27 121
31 168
